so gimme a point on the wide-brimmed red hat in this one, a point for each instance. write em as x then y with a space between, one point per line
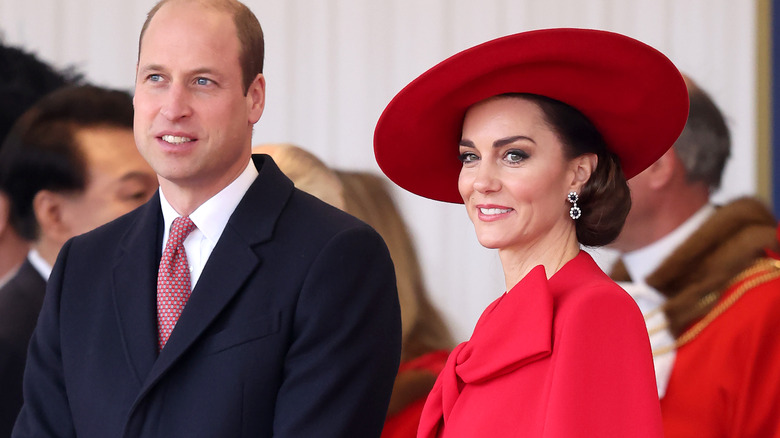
631 92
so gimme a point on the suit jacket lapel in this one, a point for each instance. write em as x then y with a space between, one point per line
135 285
230 264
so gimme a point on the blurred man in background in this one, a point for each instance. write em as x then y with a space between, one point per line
23 80
710 294
68 165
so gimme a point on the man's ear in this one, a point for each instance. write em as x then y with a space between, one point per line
582 168
662 171
48 207
255 97
5 212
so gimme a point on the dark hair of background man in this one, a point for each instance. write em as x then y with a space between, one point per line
41 151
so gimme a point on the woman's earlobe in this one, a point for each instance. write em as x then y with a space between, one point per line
583 167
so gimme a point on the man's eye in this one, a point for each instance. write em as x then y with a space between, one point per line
155 78
202 81
136 196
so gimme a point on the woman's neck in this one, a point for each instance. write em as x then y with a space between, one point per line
552 251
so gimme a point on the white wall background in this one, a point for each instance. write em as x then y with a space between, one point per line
332 65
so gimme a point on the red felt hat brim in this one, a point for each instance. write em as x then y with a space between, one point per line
631 92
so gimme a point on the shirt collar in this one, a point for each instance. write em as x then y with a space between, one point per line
39 263
644 261
212 216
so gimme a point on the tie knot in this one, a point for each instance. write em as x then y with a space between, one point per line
181 228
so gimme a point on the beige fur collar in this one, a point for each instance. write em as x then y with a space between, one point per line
727 243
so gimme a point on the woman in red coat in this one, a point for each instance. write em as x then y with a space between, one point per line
536 133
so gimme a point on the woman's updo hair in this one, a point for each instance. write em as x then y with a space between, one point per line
605 198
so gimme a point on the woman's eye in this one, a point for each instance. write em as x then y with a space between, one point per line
468 157
515 156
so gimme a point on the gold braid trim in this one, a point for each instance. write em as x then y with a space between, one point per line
762 271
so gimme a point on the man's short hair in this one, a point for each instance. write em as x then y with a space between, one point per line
705 143
23 80
248 29
41 151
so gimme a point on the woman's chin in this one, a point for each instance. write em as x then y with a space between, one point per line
490 243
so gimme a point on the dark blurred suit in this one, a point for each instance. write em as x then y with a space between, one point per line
20 301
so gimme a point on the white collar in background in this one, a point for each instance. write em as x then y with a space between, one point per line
39 263
640 264
644 261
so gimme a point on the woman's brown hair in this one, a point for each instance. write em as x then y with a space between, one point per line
605 198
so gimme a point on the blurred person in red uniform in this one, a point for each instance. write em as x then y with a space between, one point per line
710 294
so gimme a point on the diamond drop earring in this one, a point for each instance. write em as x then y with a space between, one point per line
574 211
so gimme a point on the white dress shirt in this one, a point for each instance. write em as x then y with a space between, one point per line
210 220
640 264
39 263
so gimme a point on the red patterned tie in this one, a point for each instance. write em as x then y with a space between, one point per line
173 279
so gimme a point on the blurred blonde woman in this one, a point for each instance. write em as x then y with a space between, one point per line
426 340
306 171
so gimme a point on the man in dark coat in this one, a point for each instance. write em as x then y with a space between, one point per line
284 310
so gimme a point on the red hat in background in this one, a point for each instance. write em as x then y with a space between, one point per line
631 92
